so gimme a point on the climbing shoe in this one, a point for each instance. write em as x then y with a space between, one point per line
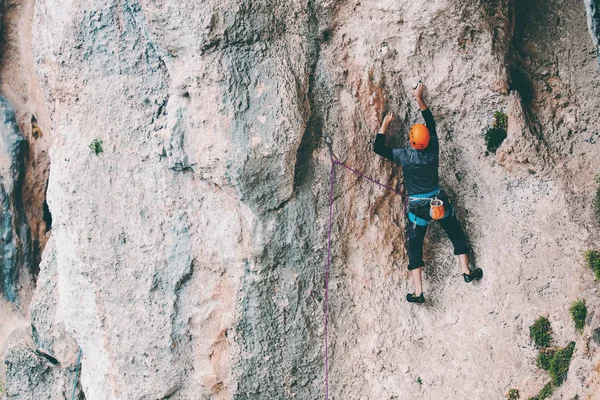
420 299
474 275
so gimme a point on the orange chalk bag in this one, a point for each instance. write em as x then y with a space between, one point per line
436 209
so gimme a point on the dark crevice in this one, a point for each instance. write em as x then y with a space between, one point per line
48 357
520 82
313 132
47 216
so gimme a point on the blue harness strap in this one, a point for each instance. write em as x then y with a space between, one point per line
420 197
416 220
425 196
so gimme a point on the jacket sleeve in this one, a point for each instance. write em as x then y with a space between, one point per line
380 148
429 122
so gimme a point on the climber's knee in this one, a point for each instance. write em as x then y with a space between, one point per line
416 235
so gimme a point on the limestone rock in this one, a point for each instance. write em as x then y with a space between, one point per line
48 331
190 252
31 375
15 244
593 13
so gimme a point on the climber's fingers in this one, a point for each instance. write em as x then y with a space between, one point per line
418 89
389 117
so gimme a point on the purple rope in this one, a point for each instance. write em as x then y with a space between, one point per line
367 178
326 314
331 180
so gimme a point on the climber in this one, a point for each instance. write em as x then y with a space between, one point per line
420 168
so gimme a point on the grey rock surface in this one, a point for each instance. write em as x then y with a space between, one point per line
593 13
47 329
187 258
32 375
15 243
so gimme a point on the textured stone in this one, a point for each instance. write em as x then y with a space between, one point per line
19 85
593 13
15 244
31 375
190 253
47 328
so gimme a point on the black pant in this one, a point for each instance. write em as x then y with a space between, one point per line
416 233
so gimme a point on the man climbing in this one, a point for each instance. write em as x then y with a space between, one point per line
420 168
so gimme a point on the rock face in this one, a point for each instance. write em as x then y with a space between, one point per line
42 361
593 12
19 85
15 246
34 376
189 242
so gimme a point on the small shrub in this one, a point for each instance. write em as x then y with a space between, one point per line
592 259
541 332
579 312
545 357
546 391
419 381
96 146
500 120
495 135
556 362
513 394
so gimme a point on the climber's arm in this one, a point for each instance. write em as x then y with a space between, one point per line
425 111
379 147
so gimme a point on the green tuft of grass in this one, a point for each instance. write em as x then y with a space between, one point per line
495 135
419 381
545 357
556 361
579 313
513 394
592 259
541 332
96 146
500 120
546 391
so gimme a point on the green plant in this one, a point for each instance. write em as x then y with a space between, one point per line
541 332
513 394
579 312
546 391
592 259
419 381
556 361
96 146
495 135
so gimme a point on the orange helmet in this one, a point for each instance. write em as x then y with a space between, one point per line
419 136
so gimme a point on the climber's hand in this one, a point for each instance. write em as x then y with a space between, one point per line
418 91
389 117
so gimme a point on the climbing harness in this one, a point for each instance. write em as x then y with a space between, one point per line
436 207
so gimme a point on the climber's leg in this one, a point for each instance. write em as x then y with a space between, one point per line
417 277
463 260
457 237
416 236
